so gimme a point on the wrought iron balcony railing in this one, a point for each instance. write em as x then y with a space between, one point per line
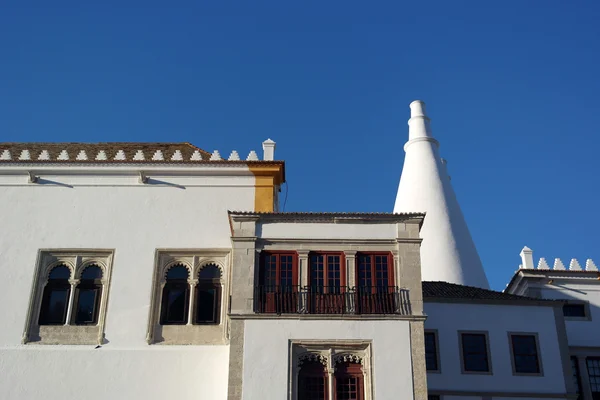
331 300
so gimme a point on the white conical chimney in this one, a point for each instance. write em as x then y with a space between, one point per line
447 252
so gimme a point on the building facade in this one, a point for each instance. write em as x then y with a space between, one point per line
159 270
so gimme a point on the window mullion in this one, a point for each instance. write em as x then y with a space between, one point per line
192 298
73 283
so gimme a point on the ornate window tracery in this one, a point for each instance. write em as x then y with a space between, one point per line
68 304
331 372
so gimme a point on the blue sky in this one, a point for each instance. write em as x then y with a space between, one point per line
511 87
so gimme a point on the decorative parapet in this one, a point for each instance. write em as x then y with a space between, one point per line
574 265
120 152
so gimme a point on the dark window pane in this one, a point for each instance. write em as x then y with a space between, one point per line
593 367
576 378
92 272
312 382
430 352
474 349
54 305
175 304
525 354
178 272
207 305
574 310
433 397
211 272
60 272
87 303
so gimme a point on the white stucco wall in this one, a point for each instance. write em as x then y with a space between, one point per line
498 320
282 230
266 359
578 331
106 212
67 372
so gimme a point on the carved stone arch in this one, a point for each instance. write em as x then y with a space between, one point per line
206 263
210 261
311 356
175 263
46 271
348 358
90 263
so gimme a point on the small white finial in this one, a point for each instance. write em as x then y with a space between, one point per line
574 265
177 156
558 265
590 266
234 156
158 155
25 155
542 264
196 156
120 156
139 156
527 257
215 156
268 150
252 156
44 155
101 156
5 155
82 156
63 156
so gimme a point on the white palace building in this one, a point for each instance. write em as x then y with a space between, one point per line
161 271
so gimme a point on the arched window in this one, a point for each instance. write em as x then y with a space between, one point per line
313 382
55 299
175 296
208 295
349 381
87 296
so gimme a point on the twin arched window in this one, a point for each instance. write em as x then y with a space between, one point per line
66 302
346 382
190 301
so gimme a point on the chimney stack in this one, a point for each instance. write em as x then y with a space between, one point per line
268 150
527 258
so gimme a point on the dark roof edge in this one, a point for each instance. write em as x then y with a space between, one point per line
526 301
323 216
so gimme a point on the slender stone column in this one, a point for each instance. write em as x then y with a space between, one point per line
193 283
74 283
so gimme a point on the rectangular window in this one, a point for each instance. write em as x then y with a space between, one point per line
475 352
525 354
431 351
326 283
593 367
278 289
575 310
576 377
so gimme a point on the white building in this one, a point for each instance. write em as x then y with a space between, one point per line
159 270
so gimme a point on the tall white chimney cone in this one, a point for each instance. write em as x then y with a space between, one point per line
447 252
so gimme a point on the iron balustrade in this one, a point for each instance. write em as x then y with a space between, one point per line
331 300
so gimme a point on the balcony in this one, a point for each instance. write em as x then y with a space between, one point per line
331 300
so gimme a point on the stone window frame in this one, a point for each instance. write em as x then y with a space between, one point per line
586 307
512 354
488 352
76 260
329 353
194 260
437 351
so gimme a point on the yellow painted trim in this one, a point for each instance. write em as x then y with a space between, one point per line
268 177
